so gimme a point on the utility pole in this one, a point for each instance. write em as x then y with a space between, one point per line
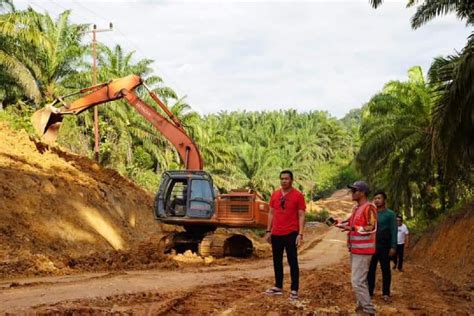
94 82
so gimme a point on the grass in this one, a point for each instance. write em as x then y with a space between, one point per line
320 216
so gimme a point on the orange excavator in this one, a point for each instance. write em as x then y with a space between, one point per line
186 197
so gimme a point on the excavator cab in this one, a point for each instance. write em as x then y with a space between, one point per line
185 194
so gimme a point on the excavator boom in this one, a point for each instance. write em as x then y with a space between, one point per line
47 121
186 198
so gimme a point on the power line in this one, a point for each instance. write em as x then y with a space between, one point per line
89 10
64 8
125 38
39 6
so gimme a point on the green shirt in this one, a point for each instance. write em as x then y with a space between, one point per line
386 229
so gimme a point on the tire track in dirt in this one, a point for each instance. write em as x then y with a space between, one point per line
330 250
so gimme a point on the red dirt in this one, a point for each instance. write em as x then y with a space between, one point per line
62 214
447 248
57 208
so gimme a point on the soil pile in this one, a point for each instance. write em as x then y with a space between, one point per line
447 248
57 209
338 205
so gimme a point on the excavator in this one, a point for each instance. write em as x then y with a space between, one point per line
186 198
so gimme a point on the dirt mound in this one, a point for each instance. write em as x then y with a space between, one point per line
447 249
339 204
57 207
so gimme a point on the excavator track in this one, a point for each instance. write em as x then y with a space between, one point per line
179 242
220 245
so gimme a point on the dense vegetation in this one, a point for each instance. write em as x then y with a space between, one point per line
414 138
417 136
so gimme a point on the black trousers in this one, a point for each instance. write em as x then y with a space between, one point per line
381 255
398 259
288 243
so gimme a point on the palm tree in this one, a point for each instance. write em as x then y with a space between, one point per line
38 53
257 167
429 9
14 61
7 6
452 113
217 152
395 132
453 81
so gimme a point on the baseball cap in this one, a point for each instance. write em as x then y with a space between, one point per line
360 186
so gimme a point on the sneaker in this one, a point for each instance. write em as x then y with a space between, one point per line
274 291
293 295
386 298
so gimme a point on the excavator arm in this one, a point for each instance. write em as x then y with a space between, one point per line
47 121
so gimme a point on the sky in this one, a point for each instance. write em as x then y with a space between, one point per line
270 55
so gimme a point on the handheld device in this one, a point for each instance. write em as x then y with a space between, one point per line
331 221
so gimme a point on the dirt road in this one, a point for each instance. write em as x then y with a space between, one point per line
232 289
34 292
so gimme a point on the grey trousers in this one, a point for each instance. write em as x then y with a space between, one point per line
359 269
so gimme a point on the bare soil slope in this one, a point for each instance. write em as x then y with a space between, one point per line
338 205
59 210
447 249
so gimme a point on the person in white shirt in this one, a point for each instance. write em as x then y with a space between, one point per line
402 243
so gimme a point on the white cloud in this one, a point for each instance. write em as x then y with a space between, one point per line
331 55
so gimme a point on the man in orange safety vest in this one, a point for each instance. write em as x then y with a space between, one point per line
361 227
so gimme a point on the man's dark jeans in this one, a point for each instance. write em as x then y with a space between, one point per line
381 255
288 243
398 259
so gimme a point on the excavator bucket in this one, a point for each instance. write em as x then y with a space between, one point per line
47 123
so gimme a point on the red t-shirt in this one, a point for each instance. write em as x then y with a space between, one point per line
286 221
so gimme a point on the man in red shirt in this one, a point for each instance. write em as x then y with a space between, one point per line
285 231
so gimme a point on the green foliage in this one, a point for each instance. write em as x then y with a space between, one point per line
260 232
453 81
261 144
434 167
320 216
19 117
395 154
37 54
6 6
346 175
408 147
142 159
145 178
426 10
420 225
42 58
75 137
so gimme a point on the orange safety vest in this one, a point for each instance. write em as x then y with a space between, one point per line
362 242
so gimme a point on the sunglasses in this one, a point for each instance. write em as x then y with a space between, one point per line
282 202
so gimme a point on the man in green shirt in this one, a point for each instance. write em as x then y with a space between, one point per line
386 245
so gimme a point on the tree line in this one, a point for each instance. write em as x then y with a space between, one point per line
414 138
42 58
417 135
